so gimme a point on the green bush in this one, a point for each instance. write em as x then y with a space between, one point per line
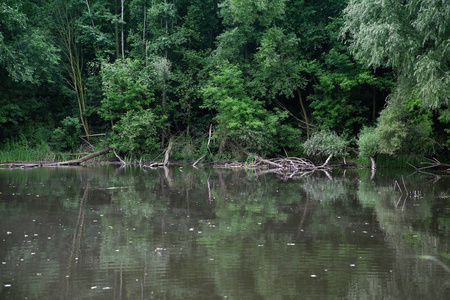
403 128
136 133
367 142
324 143
67 137
240 118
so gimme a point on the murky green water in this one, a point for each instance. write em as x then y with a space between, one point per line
109 233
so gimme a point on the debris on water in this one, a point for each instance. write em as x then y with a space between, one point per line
110 227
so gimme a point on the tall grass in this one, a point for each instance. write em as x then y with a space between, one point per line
22 150
398 161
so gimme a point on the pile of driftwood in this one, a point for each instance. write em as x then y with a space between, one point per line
286 167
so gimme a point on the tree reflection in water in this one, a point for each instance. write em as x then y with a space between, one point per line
104 232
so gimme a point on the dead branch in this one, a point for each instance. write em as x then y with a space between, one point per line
207 146
122 162
167 154
198 160
431 163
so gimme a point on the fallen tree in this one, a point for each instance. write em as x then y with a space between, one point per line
73 162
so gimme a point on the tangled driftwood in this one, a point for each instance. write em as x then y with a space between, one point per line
287 167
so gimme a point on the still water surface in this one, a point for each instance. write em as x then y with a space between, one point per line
181 233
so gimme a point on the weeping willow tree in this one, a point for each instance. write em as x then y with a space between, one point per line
413 38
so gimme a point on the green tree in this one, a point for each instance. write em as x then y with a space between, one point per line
28 71
413 38
239 117
26 52
127 85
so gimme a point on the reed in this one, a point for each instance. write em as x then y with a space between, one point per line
398 161
21 150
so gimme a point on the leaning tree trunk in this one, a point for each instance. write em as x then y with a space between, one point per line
305 116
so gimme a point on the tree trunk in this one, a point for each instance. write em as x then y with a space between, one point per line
169 149
374 166
143 32
305 116
123 38
65 26
116 31
223 142
83 159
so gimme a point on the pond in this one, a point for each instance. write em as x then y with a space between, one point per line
103 232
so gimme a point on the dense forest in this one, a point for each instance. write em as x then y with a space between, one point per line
226 78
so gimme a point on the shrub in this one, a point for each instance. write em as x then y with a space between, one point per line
67 137
367 142
136 133
324 143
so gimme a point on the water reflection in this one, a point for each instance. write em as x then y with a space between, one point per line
179 233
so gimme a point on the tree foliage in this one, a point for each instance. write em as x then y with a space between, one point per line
413 38
324 143
239 117
266 74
